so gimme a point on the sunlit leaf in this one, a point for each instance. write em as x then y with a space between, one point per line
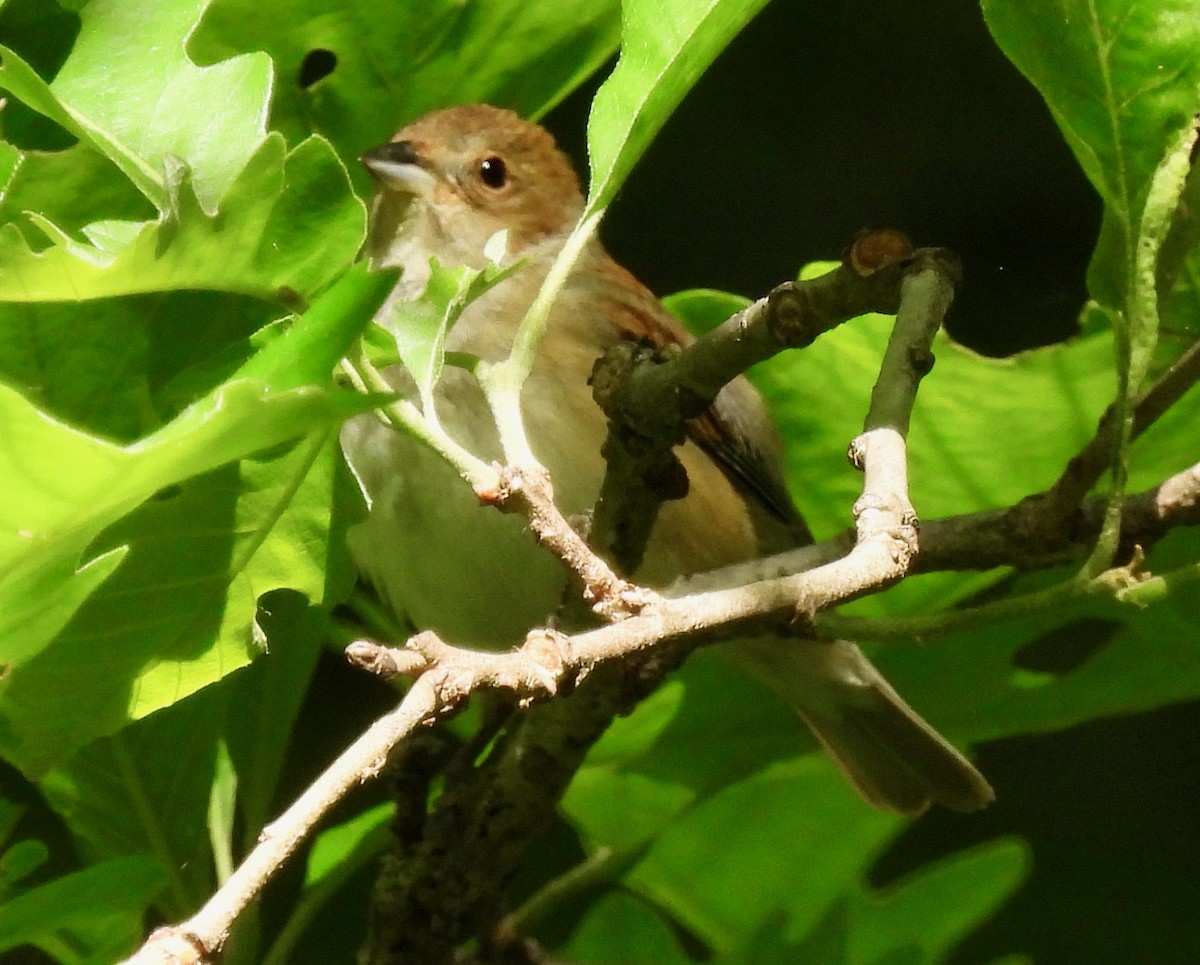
355 76
666 46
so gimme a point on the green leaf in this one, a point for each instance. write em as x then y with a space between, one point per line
51 516
1122 85
679 746
20 80
764 889
288 226
91 916
338 854
145 793
183 605
130 90
119 368
332 847
19 861
938 905
622 928
70 188
222 813
265 702
722 875
1147 660
825 943
967 685
308 352
1179 265
958 463
183 631
629 737
614 808
724 731
1137 326
703 309
1121 80
665 46
420 325
389 69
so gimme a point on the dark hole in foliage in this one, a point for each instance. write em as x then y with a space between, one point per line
1066 648
167 493
291 299
317 64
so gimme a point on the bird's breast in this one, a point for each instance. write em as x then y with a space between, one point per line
476 575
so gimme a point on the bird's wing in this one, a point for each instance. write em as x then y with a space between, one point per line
736 430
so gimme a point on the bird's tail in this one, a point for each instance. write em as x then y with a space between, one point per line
892 757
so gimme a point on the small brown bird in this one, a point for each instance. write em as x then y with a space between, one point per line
446 184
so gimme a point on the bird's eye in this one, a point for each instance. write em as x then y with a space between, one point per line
493 172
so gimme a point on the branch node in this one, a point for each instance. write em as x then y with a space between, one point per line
921 360
790 318
1120 579
610 372
947 262
170 945
875 249
903 543
549 653
856 452
385 662
510 482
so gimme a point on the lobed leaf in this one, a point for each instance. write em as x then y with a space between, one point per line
938 905
144 793
289 227
130 77
384 71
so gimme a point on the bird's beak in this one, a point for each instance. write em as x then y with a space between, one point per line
398 167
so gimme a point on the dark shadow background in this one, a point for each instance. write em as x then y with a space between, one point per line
820 120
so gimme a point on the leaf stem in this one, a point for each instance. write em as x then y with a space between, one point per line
1137 326
1119 584
403 416
502 382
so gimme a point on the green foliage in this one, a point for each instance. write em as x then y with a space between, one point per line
392 63
667 45
85 918
1121 80
176 237
422 325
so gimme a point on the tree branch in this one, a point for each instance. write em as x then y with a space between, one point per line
1052 511
530 492
200 937
450 883
649 396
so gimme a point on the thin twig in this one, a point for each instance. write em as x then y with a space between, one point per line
200 937
529 491
1085 469
403 415
649 396
1112 585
